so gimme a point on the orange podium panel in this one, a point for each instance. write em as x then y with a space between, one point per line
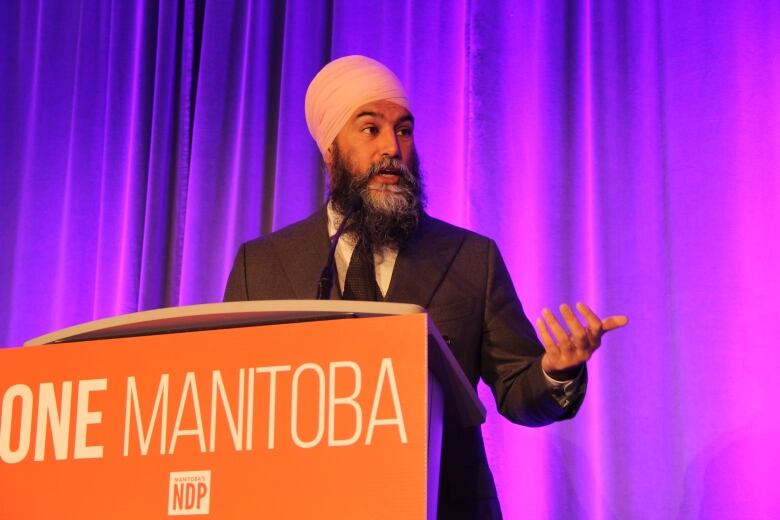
313 419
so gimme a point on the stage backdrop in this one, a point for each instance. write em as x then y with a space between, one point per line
623 153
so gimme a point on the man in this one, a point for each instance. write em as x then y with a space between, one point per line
358 113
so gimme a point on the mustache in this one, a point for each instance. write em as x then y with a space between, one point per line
391 165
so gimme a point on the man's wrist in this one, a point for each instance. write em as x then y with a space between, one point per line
564 375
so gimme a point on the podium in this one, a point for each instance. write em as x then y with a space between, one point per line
273 409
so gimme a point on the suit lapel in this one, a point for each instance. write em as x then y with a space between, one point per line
419 269
303 251
423 262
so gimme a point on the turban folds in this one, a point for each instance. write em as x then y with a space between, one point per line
340 88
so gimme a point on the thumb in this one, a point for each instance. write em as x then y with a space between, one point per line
614 322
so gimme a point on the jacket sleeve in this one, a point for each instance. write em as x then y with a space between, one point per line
511 356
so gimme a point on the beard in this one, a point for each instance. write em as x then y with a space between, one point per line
390 212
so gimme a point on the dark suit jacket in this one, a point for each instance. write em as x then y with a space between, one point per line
460 278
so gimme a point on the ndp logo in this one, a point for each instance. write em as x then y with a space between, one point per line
188 493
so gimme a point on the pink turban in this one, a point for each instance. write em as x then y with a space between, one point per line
340 88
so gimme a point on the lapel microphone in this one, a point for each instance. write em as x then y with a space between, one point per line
326 278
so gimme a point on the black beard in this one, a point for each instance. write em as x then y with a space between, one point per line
383 221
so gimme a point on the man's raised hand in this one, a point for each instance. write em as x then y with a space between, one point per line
566 351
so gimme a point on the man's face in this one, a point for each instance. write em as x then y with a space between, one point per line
376 129
378 133
373 157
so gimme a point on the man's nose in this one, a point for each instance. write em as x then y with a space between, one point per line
389 144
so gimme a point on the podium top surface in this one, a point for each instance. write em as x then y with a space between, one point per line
220 315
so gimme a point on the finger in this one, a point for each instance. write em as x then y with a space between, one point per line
561 336
615 322
578 333
594 322
544 334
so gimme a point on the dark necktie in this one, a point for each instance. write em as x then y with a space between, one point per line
361 279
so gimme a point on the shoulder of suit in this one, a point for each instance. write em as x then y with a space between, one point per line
436 227
313 225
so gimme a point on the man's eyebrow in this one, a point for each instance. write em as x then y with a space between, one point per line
403 119
367 113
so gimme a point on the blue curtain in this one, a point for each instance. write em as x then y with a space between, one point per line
624 154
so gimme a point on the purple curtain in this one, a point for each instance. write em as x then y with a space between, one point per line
624 154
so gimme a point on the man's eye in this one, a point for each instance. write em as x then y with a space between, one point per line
404 132
370 130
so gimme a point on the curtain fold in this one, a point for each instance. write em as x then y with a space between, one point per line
624 154
96 104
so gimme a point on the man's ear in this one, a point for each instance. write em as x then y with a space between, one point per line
327 157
